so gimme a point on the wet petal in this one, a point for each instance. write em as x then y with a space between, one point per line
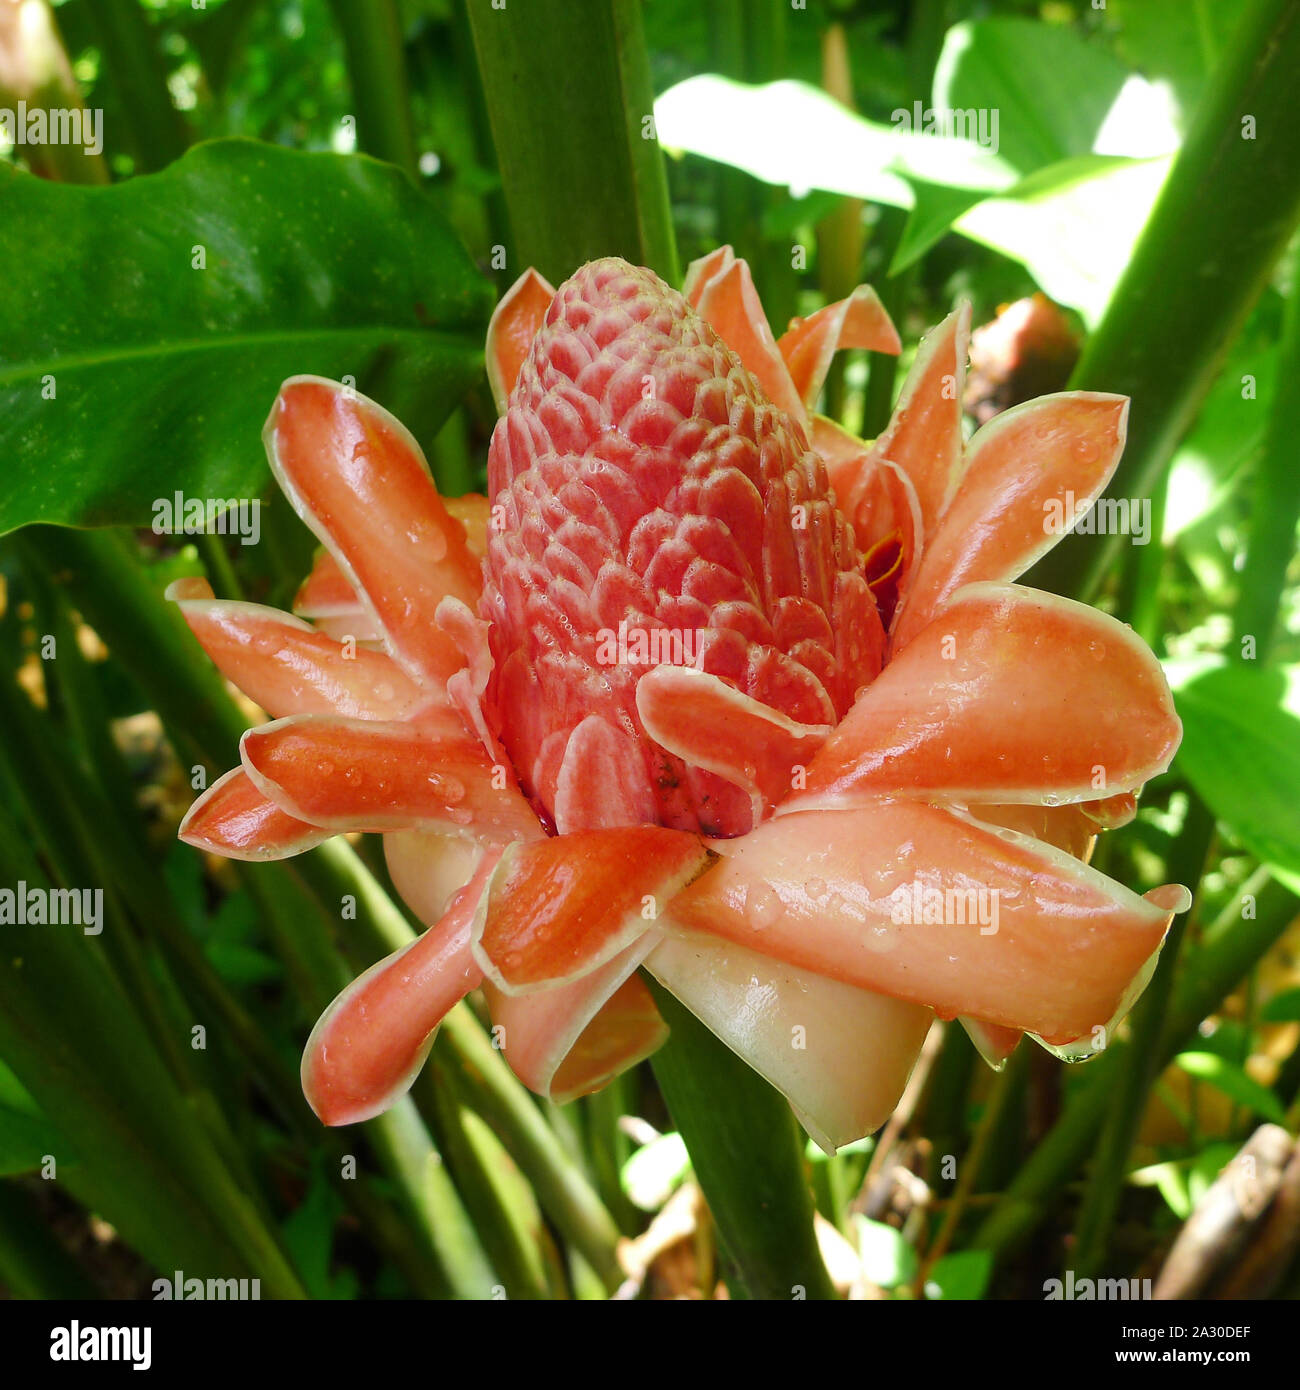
926 904
559 908
568 1041
350 774
1009 695
712 725
357 477
701 271
1027 473
233 818
924 437
730 303
840 1055
369 1045
514 325
993 1043
326 592
288 667
428 869
602 780
860 321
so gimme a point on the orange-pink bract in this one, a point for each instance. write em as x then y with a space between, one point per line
708 688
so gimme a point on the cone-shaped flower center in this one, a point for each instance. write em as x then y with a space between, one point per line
651 506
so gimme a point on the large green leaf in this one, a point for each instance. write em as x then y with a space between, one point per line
147 326
1050 88
1241 751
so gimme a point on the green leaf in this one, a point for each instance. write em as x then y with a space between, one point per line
26 1139
1241 751
1050 88
309 1238
1072 225
1229 1078
1282 1008
1224 439
887 1259
964 1275
204 287
793 134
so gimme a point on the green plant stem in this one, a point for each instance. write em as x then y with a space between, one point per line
496 1193
134 64
372 44
740 1135
1229 207
1275 502
578 158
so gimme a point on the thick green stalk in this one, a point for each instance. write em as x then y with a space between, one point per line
1228 209
577 150
741 1137
134 63
372 44
496 1193
1275 501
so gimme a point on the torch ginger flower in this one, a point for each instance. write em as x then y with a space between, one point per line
707 687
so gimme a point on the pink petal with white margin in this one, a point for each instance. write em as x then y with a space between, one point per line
1027 471
701 271
924 436
371 1042
730 304
809 344
352 774
1010 695
837 892
557 909
568 1041
356 476
857 1048
288 667
514 325
712 725
234 819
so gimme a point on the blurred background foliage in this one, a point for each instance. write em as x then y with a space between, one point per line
127 1150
